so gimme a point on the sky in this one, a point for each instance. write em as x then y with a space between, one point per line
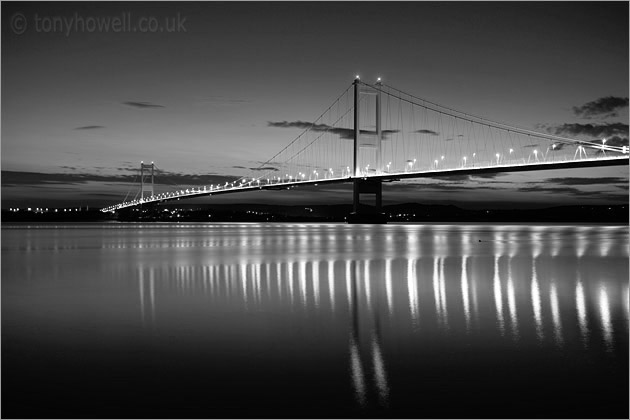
200 89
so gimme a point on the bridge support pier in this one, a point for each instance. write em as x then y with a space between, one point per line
362 213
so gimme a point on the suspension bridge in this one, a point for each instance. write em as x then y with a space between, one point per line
375 133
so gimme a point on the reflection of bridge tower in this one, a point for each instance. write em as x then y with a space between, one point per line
367 154
360 355
146 186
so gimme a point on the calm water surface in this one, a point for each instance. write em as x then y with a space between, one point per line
298 320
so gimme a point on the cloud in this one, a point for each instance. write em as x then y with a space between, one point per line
590 130
461 178
425 131
586 181
602 107
164 178
556 190
90 127
265 168
142 105
457 184
344 133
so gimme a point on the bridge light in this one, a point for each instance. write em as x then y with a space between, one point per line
378 79
603 141
357 77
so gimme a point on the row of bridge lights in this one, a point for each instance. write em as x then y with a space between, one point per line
232 185
329 174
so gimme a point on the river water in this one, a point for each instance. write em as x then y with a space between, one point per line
301 320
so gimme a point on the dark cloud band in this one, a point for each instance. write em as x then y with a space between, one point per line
602 107
142 105
344 133
591 130
90 127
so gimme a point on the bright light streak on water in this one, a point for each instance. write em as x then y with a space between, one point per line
358 378
512 301
627 303
436 286
243 271
388 286
498 296
366 280
580 304
380 373
556 243
443 294
331 284
555 315
316 282
412 290
290 280
278 279
536 302
256 281
302 282
581 245
465 292
267 279
604 246
348 282
604 313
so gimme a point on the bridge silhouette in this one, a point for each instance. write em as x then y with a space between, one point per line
375 133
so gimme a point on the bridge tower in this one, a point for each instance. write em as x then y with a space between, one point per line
370 140
145 186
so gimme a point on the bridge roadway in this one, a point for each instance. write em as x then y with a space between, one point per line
385 177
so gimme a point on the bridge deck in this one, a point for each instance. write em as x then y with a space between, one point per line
389 177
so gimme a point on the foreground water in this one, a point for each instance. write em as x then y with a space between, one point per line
248 320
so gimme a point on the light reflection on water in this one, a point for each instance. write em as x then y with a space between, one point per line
394 289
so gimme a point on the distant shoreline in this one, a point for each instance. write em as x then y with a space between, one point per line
400 213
